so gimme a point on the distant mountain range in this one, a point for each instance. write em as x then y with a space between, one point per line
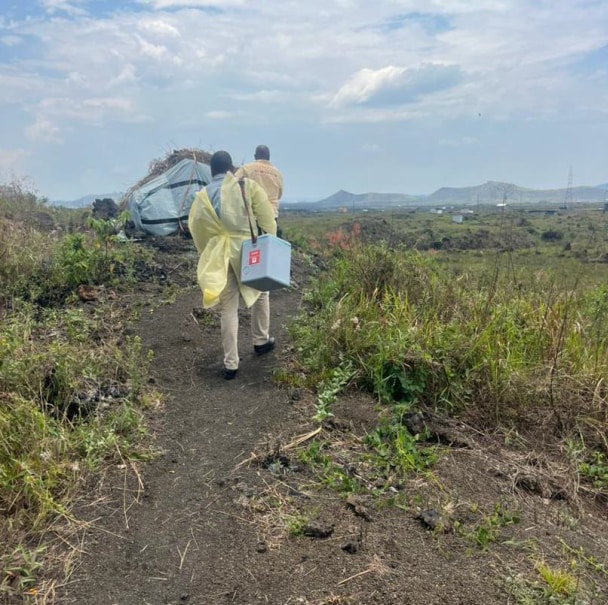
492 192
374 200
496 192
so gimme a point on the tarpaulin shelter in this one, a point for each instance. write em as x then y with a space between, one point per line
160 204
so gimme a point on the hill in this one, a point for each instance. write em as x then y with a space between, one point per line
496 192
359 201
491 192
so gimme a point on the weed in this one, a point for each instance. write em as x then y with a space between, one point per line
395 448
595 470
69 399
312 454
19 569
488 530
526 592
583 557
329 389
295 525
329 473
415 333
289 377
559 582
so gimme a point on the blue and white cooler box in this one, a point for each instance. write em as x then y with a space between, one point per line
266 265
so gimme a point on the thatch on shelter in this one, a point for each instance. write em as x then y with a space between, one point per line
160 165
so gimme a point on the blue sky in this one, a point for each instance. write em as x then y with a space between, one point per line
388 96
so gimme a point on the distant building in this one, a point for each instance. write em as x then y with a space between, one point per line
457 218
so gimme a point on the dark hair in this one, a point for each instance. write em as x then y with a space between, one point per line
220 162
262 153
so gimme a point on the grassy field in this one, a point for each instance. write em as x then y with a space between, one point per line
500 321
497 325
72 386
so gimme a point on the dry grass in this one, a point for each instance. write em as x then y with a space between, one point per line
160 165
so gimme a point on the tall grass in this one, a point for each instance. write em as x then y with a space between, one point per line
47 268
72 387
503 346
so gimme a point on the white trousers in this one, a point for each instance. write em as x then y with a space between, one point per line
229 310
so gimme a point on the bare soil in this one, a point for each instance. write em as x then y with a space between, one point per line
227 514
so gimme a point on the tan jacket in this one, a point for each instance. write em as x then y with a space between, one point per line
266 175
219 241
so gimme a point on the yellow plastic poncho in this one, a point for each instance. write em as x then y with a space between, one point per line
219 241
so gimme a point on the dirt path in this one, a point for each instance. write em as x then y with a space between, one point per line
185 540
191 536
205 531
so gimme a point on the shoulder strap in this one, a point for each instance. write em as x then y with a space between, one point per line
254 237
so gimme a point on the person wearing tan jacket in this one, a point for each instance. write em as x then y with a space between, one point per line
266 175
219 222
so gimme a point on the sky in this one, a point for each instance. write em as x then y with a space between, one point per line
387 96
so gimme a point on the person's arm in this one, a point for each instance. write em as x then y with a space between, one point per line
195 224
262 208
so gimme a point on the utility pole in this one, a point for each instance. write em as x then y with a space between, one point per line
568 196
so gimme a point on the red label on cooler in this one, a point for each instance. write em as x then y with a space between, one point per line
254 257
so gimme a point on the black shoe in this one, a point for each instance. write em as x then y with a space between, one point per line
265 348
228 374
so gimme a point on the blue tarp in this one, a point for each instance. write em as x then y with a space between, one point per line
161 206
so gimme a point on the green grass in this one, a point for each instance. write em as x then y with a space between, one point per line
72 387
493 321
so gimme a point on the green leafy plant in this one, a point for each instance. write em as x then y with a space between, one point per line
488 530
416 333
395 448
71 390
330 388
295 525
19 569
595 470
559 581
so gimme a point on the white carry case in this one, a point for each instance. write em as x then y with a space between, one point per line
266 263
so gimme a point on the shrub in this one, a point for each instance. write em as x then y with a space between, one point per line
498 347
552 235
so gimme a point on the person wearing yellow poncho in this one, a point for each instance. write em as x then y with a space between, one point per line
218 222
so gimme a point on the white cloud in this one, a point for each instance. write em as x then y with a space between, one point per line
159 27
11 159
43 131
376 116
66 6
395 85
55 115
263 96
16 84
126 75
156 51
220 114
220 4
11 40
313 67
366 83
